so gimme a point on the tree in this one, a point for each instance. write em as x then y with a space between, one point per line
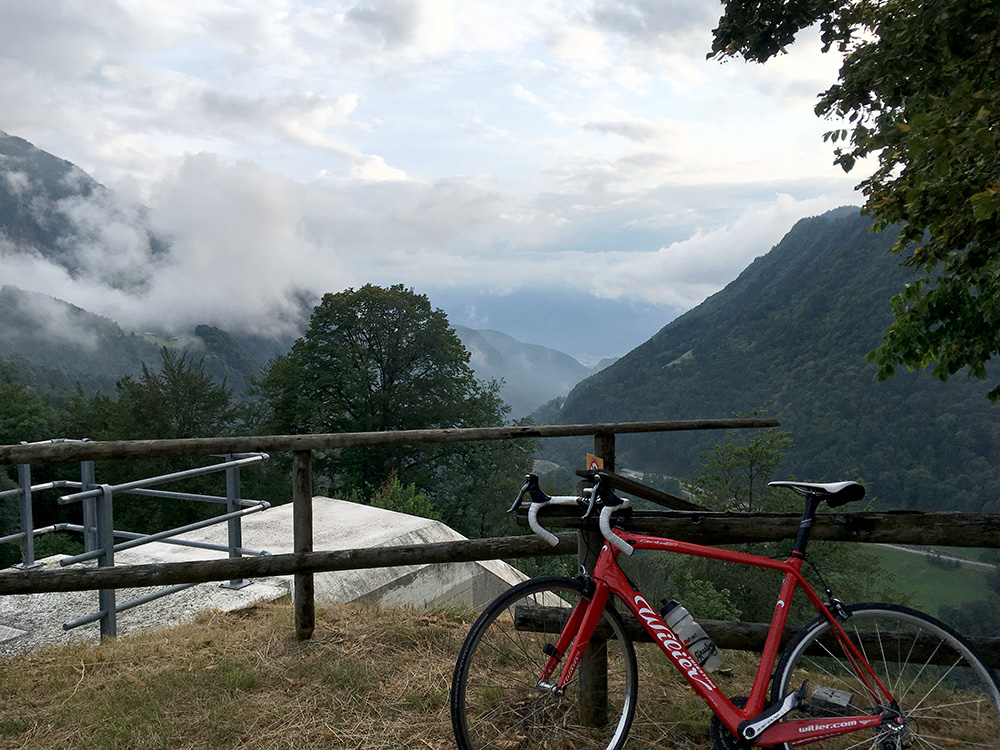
23 416
378 359
733 475
373 359
179 400
392 495
920 91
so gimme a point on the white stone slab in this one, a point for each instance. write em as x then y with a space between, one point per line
337 525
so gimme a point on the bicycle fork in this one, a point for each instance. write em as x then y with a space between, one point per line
575 637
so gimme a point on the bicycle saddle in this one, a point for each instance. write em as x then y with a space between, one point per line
835 493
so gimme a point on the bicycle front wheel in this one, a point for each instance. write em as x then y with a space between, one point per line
496 699
947 697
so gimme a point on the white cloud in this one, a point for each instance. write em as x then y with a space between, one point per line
520 92
288 144
485 130
655 23
110 242
374 169
686 272
18 182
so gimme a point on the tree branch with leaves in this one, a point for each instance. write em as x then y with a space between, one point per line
919 91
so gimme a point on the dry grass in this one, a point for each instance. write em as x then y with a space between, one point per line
370 678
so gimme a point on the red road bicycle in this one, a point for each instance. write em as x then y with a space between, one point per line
876 676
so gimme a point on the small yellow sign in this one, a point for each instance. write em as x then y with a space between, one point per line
594 463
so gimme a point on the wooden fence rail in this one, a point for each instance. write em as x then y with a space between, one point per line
190 447
14 581
952 529
301 447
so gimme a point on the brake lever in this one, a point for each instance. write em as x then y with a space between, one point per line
591 502
609 502
530 488
517 500
602 491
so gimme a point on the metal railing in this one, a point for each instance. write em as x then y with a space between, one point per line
98 524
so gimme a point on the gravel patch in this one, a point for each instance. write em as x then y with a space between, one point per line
28 621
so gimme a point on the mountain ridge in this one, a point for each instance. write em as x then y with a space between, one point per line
531 374
790 334
52 209
52 343
60 346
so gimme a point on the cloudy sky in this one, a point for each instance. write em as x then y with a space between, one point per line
573 173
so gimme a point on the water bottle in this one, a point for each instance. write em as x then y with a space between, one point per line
695 639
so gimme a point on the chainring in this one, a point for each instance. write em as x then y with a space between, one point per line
722 738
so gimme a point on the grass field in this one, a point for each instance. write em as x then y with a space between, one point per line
370 679
930 586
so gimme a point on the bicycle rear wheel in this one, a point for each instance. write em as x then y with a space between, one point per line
947 696
496 700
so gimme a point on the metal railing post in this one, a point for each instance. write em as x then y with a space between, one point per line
234 525
106 543
27 519
89 482
303 594
593 673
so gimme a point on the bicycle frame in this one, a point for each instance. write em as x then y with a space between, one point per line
609 579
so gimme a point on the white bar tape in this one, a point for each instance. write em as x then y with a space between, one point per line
612 537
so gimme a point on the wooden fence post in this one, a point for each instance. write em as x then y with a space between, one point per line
593 672
302 542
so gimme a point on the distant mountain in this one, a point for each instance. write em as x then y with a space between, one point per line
47 342
51 208
531 374
791 333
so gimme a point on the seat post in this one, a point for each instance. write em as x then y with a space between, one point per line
805 525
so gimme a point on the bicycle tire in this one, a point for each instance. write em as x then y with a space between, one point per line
947 695
495 698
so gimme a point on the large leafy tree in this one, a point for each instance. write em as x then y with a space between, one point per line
374 359
919 91
379 359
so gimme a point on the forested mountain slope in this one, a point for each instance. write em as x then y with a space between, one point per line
530 374
51 208
51 344
791 333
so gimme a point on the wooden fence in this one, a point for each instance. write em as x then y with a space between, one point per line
942 528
